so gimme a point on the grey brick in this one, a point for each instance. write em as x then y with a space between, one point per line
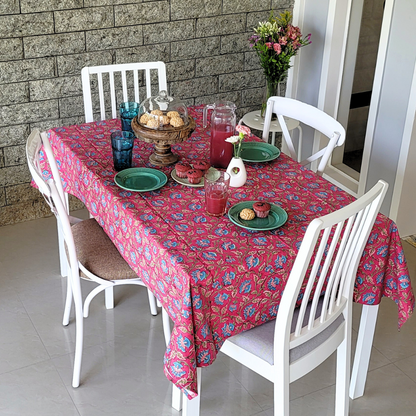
119 37
220 64
235 43
16 71
194 87
26 25
25 113
253 19
72 64
9 6
1 162
14 175
252 96
233 96
251 61
33 6
14 93
181 9
55 88
84 19
96 3
14 155
282 4
46 125
13 135
71 106
22 193
180 70
51 45
2 192
11 49
195 48
241 80
142 13
221 25
25 211
168 32
159 52
238 6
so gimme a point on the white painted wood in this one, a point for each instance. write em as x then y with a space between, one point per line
363 350
191 407
123 69
375 96
310 116
404 195
53 193
330 252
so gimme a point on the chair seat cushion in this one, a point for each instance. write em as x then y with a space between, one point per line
97 253
259 340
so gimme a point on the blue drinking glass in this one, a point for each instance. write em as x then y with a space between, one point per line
128 111
122 143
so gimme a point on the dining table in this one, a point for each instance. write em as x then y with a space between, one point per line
215 278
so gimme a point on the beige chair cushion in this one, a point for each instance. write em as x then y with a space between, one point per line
97 253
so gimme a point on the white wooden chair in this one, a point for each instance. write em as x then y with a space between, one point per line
91 254
300 339
137 70
310 116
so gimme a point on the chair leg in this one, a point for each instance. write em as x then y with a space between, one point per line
109 297
79 333
342 399
68 302
93 294
152 302
281 391
192 407
63 261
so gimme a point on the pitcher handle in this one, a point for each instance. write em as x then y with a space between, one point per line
205 114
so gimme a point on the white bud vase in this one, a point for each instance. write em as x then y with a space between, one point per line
237 179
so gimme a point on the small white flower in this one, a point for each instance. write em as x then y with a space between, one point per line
233 139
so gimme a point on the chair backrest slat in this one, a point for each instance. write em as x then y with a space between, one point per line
124 69
328 259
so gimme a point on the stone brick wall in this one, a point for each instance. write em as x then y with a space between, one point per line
44 44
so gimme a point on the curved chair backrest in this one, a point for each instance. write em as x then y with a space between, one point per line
51 188
139 68
328 256
311 116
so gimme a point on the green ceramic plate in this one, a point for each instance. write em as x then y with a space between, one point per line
276 218
258 152
140 179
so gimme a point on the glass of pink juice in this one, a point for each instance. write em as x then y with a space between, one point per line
216 186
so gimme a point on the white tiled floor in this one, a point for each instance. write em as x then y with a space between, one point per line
122 364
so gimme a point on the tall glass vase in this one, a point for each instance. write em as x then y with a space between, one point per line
273 89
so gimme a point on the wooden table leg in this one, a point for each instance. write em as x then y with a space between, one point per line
363 350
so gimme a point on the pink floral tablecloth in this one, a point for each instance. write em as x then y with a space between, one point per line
214 278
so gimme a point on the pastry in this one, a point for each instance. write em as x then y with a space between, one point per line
144 118
201 165
181 168
164 120
247 214
194 176
153 123
176 122
261 209
172 114
157 112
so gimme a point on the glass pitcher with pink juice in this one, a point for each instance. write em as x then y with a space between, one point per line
223 120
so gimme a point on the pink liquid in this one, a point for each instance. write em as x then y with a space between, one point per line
216 202
221 151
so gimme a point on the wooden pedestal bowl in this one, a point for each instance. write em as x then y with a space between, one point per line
163 138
